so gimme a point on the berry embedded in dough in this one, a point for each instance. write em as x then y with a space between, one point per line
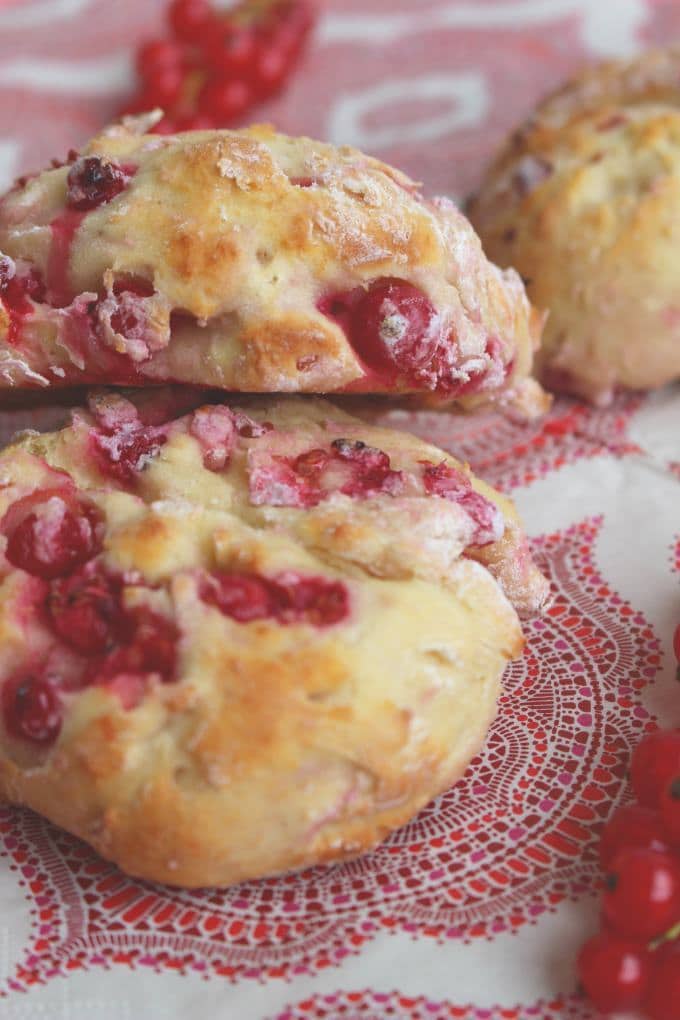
255 637
584 201
250 261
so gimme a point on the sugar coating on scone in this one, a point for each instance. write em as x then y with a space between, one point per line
247 639
584 201
250 261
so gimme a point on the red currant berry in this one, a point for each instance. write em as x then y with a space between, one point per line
663 999
93 181
225 100
243 597
312 464
191 20
656 760
670 810
125 453
449 483
392 325
85 610
289 598
269 70
157 55
50 533
311 600
165 88
232 50
631 826
614 972
370 469
31 708
151 649
642 893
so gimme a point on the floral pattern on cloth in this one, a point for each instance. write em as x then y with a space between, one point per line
503 866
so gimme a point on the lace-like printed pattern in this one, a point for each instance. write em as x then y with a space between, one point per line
375 1006
509 454
512 840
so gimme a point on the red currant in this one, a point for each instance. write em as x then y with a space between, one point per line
232 50
663 999
656 759
289 598
125 452
85 610
164 87
158 54
151 648
93 181
31 708
631 826
614 972
392 325
245 54
642 893
370 469
226 100
270 70
670 810
448 483
243 597
191 20
312 600
50 533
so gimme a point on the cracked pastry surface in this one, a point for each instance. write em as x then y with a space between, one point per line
584 201
251 261
247 639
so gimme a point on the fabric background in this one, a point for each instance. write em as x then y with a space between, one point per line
476 909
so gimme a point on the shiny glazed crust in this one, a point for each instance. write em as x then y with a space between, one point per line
584 201
240 236
276 746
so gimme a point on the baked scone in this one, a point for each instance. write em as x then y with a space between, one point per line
250 261
249 639
584 200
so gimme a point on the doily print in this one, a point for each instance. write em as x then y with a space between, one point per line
514 838
368 1005
509 454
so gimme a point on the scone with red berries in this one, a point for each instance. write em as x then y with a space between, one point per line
249 639
584 201
250 261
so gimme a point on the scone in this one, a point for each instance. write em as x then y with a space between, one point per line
584 200
248 639
253 262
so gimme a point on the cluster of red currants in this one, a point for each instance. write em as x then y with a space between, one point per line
634 962
219 64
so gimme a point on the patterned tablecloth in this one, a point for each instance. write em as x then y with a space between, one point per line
476 909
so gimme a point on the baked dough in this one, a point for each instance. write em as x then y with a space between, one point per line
248 639
254 262
584 201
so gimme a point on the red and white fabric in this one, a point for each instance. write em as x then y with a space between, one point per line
477 908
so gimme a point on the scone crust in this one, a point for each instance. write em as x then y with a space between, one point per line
584 201
242 236
275 746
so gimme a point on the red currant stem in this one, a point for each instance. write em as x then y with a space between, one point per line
669 936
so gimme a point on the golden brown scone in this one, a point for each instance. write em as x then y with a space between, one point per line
584 201
253 262
248 639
